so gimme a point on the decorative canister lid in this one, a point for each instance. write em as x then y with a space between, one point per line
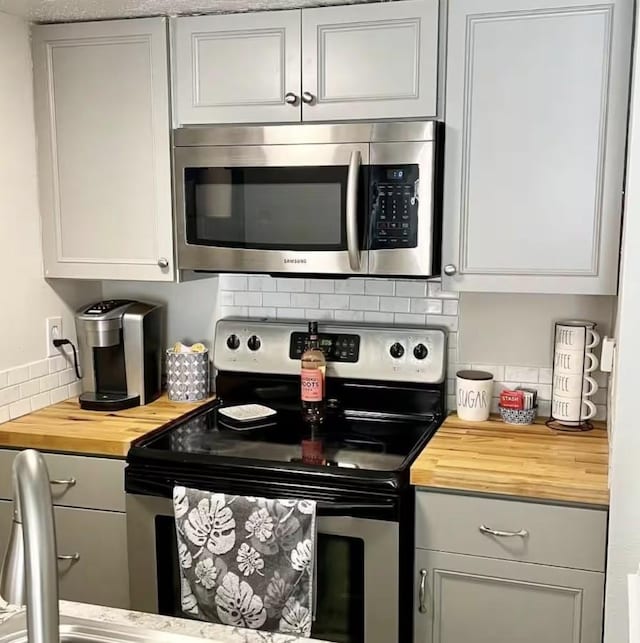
475 375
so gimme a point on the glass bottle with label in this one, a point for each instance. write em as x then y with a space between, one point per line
313 371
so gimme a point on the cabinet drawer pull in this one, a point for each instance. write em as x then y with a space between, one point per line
72 557
422 605
71 482
523 533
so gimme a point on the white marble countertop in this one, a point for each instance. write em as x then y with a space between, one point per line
185 627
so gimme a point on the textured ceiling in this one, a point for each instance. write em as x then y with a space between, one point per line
72 10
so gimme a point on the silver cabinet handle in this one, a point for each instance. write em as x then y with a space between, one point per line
353 243
450 270
308 98
422 594
163 263
72 557
70 482
523 533
290 98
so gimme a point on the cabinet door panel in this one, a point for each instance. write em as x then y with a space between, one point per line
536 113
237 68
102 115
468 598
371 60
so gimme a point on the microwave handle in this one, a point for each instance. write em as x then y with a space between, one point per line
353 244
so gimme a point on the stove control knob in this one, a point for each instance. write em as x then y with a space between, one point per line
233 342
420 351
396 350
254 343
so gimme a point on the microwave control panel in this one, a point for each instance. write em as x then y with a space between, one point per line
394 206
336 348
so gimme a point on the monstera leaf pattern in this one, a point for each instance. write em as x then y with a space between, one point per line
246 561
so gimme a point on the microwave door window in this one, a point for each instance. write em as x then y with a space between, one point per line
296 208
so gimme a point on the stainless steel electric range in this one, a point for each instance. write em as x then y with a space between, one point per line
385 399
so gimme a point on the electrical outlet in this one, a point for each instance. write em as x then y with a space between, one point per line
54 331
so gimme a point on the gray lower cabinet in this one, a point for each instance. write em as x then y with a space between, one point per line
536 117
487 600
91 531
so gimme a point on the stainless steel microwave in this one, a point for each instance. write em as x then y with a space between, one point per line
332 199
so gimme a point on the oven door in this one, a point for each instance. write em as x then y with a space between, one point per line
272 208
357 561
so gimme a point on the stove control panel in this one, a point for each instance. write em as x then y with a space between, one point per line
357 351
336 347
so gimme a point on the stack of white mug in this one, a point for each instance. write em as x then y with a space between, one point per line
573 361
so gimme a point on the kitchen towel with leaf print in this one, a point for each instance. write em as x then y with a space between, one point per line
245 561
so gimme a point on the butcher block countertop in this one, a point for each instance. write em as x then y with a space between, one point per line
66 427
533 461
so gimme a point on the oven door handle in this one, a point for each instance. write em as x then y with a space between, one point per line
353 242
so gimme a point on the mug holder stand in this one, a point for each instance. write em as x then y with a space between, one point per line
583 426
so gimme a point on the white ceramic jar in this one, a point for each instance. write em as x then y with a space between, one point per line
473 395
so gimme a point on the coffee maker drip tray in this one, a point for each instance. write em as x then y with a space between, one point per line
108 401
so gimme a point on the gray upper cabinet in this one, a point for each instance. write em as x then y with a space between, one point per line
485 600
237 68
536 114
102 119
370 61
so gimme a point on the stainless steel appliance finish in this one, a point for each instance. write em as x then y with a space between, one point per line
354 151
382 544
30 560
375 361
120 351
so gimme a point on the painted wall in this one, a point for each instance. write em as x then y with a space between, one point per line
27 298
624 518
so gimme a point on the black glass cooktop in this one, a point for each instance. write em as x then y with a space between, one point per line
344 441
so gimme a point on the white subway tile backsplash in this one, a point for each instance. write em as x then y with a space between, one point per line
9 395
379 287
66 377
334 302
290 284
411 319
349 315
426 306
364 302
60 394
349 286
394 304
40 401
38 369
450 307
315 314
378 318
521 374
276 299
380 301
4 377
247 299
262 283
75 389
263 312
17 409
4 414
48 382
18 375
27 389
319 285
411 288
305 300
57 364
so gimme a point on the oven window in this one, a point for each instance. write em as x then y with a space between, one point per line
282 208
339 588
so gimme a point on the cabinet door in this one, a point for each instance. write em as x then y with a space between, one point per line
242 68
370 61
467 598
100 575
536 113
102 118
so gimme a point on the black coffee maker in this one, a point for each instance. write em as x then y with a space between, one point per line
119 341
